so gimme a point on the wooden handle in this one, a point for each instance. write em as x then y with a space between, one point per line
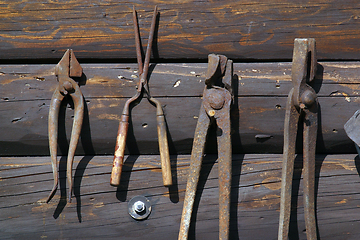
164 150
119 151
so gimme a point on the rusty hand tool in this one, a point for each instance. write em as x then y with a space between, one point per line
352 129
215 107
124 124
66 68
301 106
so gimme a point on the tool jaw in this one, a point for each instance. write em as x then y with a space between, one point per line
218 91
68 67
303 72
219 72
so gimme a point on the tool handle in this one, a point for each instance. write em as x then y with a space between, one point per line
164 150
119 151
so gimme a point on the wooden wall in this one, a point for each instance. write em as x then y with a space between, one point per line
257 34
259 107
251 30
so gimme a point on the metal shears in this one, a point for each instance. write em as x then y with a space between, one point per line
67 67
143 87
215 107
301 107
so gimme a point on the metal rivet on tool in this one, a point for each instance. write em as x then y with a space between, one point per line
307 98
139 207
68 86
211 113
216 98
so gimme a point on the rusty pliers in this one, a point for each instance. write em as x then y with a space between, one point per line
143 87
66 68
215 107
301 106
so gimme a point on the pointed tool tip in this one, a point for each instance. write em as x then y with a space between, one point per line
51 194
75 67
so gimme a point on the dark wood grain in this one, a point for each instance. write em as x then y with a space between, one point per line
261 90
100 211
242 30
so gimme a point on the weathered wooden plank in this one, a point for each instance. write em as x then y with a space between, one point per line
100 211
187 29
30 82
27 134
260 107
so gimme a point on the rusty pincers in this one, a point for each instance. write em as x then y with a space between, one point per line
66 68
301 107
215 108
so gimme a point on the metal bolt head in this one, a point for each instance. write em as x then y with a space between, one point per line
139 206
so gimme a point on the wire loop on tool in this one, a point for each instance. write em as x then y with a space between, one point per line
66 68
217 99
143 87
302 107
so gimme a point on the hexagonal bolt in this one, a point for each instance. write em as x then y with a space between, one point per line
139 206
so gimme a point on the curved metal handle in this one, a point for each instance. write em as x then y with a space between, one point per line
225 167
78 100
309 145
290 132
53 136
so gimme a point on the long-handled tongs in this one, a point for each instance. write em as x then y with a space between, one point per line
215 107
301 106
124 124
66 68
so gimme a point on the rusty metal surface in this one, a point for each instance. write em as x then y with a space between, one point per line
215 107
142 88
66 68
302 107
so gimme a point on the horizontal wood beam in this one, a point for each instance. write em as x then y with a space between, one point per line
99 210
260 98
242 30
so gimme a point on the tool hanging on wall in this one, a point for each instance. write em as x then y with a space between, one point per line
143 87
352 129
301 107
215 107
66 68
